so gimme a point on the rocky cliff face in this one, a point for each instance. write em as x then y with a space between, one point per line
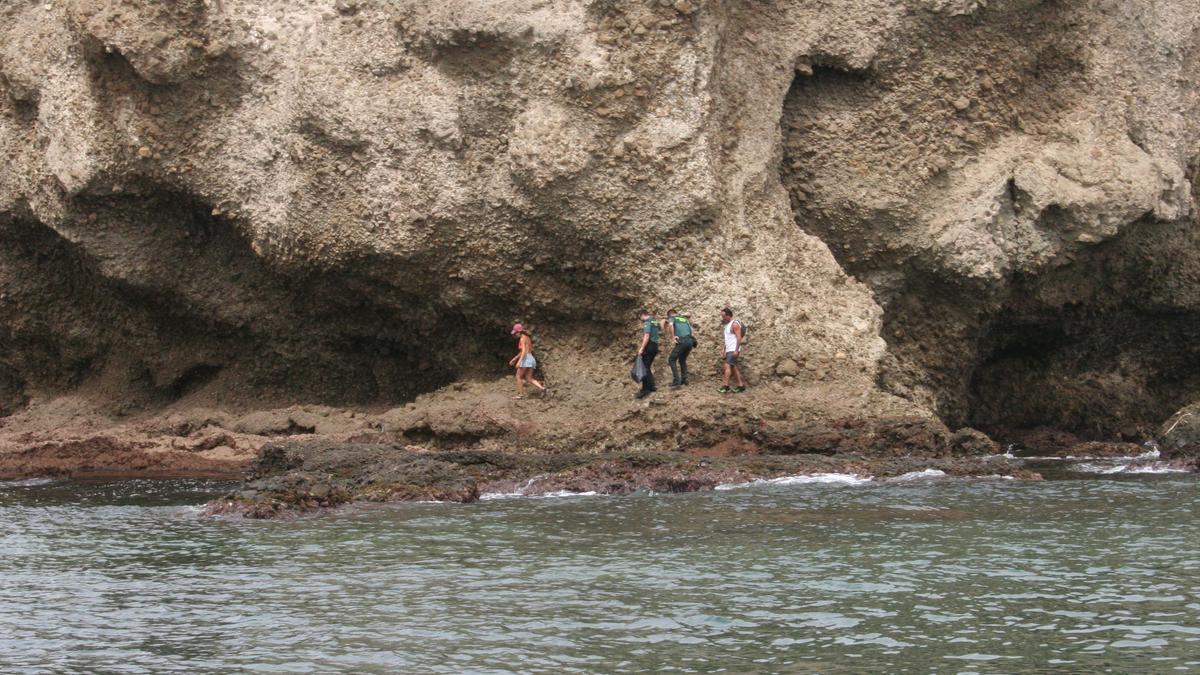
987 209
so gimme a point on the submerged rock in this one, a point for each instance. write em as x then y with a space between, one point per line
298 476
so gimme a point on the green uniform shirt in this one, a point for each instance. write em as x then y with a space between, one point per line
683 327
651 327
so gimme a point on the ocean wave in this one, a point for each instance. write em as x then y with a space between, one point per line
1128 468
826 478
918 475
494 496
27 482
1147 456
558 494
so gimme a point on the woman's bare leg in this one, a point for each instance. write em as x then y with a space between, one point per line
529 378
521 381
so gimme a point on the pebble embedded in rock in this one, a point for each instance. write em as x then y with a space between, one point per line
787 367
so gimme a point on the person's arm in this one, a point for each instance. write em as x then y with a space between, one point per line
668 327
737 334
645 341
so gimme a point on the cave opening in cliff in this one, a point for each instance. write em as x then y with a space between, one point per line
1103 347
1114 374
1000 312
150 297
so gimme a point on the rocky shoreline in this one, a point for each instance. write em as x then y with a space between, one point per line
293 478
237 231
470 439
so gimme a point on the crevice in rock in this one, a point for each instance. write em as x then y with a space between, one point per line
12 392
294 429
24 102
445 440
193 379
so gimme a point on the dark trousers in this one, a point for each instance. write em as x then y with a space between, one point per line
648 355
680 355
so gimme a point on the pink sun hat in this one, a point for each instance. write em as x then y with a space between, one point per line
517 328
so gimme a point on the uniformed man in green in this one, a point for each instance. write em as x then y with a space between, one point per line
679 330
648 349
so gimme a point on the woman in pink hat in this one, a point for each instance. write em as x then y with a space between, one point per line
524 361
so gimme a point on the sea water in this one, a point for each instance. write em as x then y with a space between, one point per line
1086 573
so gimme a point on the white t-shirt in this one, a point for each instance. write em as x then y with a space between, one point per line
731 341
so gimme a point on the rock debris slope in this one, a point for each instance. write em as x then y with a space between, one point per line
983 210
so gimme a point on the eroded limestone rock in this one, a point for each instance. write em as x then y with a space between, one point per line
311 201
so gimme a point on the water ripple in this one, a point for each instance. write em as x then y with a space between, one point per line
1085 575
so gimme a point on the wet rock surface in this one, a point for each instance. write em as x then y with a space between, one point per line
292 478
1179 435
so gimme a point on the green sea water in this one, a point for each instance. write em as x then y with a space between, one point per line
1088 573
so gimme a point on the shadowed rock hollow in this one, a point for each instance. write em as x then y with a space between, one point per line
983 211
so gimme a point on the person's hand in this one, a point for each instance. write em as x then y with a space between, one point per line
639 352
676 339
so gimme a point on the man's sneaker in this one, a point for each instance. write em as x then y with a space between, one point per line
676 384
739 390
724 390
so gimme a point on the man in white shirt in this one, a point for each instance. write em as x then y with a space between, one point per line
735 332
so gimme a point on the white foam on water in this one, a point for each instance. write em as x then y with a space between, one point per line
26 482
1156 467
519 492
1129 468
1147 456
1097 468
917 475
826 478
493 496
194 509
839 478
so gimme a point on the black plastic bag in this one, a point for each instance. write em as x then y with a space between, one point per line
638 372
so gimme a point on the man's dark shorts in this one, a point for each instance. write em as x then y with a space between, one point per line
731 358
